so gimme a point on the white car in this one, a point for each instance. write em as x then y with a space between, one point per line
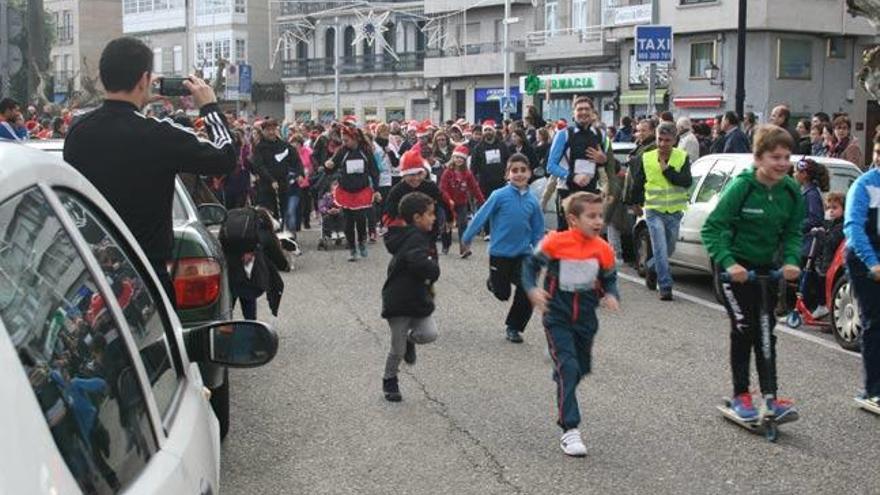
711 173
101 383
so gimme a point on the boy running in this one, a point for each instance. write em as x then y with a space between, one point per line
760 206
408 293
580 275
517 227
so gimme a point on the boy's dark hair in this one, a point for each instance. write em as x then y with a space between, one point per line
583 99
577 202
123 63
731 117
414 203
7 104
768 137
517 158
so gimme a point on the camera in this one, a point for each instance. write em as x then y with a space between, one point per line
173 86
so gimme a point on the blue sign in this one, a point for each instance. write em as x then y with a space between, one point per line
508 105
483 95
244 79
654 44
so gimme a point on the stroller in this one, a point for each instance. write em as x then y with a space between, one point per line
332 222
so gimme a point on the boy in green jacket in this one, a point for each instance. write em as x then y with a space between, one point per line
756 226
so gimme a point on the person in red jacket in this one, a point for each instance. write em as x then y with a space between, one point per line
460 185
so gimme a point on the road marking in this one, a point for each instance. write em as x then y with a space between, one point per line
779 326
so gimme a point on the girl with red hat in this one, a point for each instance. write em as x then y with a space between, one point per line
461 186
358 175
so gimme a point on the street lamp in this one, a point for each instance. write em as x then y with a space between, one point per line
713 74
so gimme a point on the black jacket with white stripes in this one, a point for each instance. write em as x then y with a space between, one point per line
133 159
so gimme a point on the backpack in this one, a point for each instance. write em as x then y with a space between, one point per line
239 233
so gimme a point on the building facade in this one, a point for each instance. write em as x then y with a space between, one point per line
81 29
373 82
187 36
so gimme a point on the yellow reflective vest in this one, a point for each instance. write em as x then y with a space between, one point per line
660 194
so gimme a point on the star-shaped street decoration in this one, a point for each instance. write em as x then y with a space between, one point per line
370 27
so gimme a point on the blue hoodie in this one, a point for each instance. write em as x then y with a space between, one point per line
862 218
517 222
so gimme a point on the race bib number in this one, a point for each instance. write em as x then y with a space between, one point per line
584 167
493 156
354 166
577 275
282 155
385 178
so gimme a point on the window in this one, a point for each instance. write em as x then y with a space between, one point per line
212 7
794 59
302 115
551 17
499 31
240 51
65 33
330 43
157 60
178 60
714 182
394 114
72 349
151 335
837 47
579 14
702 57
240 6
695 2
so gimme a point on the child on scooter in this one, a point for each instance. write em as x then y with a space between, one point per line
760 204
829 242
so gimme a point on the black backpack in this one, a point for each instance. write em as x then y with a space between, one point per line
240 231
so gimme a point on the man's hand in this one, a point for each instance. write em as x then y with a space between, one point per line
637 210
582 180
738 274
202 92
377 197
597 155
664 165
791 272
539 298
275 185
610 303
875 273
329 164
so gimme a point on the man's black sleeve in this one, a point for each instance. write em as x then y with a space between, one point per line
682 178
184 151
635 190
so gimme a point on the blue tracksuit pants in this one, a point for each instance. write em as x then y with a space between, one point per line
571 345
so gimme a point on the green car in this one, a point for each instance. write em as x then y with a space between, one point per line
199 274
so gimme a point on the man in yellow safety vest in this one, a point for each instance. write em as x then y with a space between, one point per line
660 187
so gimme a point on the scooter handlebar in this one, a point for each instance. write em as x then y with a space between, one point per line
772 276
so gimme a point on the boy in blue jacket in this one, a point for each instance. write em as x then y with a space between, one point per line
517 227
862 229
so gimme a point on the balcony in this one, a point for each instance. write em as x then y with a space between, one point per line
359 64
440 6
473 60
587 42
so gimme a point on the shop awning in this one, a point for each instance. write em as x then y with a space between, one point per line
711 101
640 96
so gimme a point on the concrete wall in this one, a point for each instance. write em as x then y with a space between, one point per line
101 21
380 93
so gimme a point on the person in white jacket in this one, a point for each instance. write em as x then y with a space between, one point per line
687 141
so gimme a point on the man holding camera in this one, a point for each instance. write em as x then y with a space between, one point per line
133 160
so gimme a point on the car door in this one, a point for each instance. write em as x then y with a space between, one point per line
684 248
85 374
703 201
189 429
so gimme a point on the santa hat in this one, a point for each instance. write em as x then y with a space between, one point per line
350 119
413 126
30 125
488 124
411 163
561 124
423 129
461 150
350 131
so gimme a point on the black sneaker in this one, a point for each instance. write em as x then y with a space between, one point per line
665 294
513 336
391 390
651 279
409 357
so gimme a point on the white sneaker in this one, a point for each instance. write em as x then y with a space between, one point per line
486 238
572 444
334 236
820 312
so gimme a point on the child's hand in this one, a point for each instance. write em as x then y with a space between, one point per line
875 273
738 274
539 298
610 303
791 272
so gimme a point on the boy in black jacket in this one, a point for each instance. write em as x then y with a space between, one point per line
408 293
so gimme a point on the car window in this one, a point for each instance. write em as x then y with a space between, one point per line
841 180
698 170
178 211
150 332
71 348
714 181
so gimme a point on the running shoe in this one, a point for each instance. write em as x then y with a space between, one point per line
572 443
742 406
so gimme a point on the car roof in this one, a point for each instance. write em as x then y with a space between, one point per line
46 144
747 158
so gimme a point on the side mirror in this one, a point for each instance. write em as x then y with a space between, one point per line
212 214
236 344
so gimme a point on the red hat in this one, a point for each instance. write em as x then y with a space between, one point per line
412 126
561 124
489 124
461 150
350 131
30 125
423 129
411 163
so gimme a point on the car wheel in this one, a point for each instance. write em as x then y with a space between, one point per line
220 404
643 251
845 322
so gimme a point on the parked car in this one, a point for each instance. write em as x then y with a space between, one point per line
102 375
198 270
711 173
